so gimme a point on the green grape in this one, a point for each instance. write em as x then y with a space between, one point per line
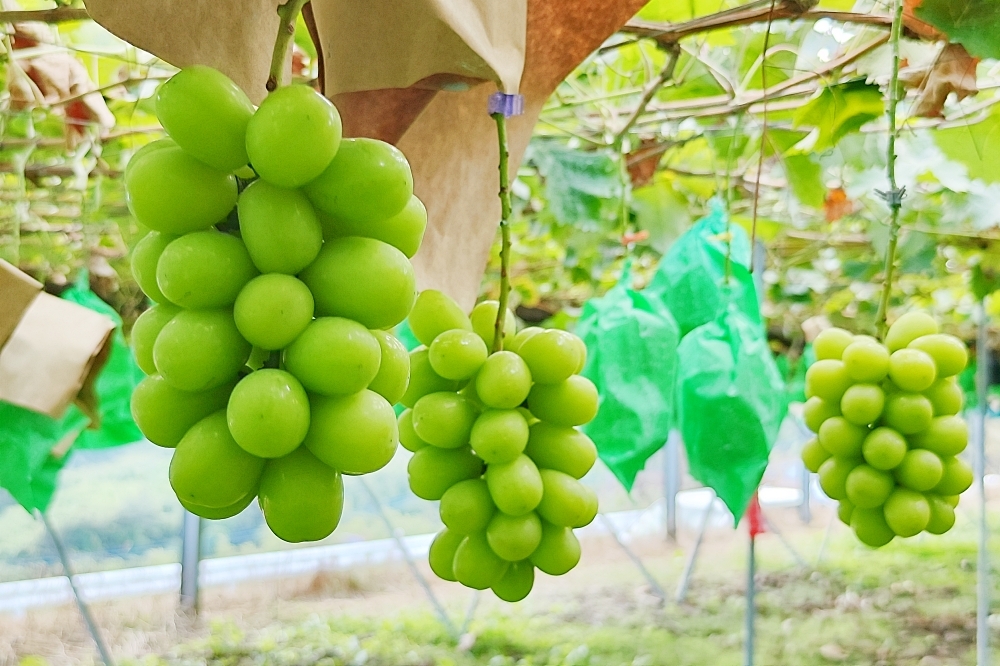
866 338
293 136
884 448
207 115
560 448
457 354
907 512
234 509
949 353
476 565
593 506
404 230
268 413
522 336
355 434
867 487
200 349
581 347
565 501
444 419
144 332
908 413
942 515
441 555
866 361
946 436
558 552
367 181
172 192
393 370
466 507
827 379
504 381
955 479
362 279
432 470
209 468
204 270
908 328
433 313
164 413
484 321
814 455
816 411
272 310
516 487
145 256
862 404
279 228
946 397
833 477
952 500
831 343
844 512
145 150
499 435
516 584
911 370
514 538
301 498
552 356
870 527
334 356
408 437
841 437
569 403
423 379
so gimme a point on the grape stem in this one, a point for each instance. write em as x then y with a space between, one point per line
287 13
505 206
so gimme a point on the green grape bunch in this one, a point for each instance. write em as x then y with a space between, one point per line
278 256
494 439
888 424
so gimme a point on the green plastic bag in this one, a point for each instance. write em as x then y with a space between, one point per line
730 403
691 278
632 359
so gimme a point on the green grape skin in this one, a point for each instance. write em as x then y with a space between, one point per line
844 512
145 150
862 404
408 437
484 319
558 551
946 436
516 584
884 448
570 403
334 356
593 506
552 356
209 468
207 115
827 379
279 228
444 419
441 555
516 487
867 487
469 393
476 565
433 313
457 354
301 498
268 413
814 455
499 435
171 192
293 136
354 434
199 350
423 379
514 538
466 507
221 513
942 515
204 270
144 332
831 343
833 477
362 279
866 361
145 256
948 352
394 368
565 501
870 527
816 411
581 352
561 448
946 397
404 230
920 470
164 414
955 479
504 381
952 500
907 512
522 336
911 370
272 310
909 413
366 182
841 437
432 470
908 328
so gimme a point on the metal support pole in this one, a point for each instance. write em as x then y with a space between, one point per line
470 613
983 561
805 510
672 480
751 605
826 537
653 583
190 560
771 527
682 587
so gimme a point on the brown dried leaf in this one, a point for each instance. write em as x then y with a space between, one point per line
642 162
836 204
915 26
953 71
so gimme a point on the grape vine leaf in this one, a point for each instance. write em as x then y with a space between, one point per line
974 24
661 211
976 146
954 71
839 110
803 172
578 183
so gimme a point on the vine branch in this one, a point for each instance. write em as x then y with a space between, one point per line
287 13
666 74
55 15
505 208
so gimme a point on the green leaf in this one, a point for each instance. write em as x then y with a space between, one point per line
976 146
984 283
578 183
839 110
837 5
974 24
302 38
662 211
803 172
675 11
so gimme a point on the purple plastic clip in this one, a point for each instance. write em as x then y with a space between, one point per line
508 105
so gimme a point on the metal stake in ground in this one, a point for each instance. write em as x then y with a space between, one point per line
682 587
671 481
983 562
653 584
190 560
